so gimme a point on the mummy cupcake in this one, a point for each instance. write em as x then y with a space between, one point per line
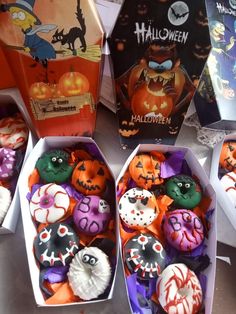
89 273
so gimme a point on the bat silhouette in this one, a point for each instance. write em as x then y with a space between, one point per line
177 15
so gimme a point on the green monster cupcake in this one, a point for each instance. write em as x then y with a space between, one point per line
53 166
185 192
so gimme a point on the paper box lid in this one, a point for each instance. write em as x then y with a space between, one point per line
158 57
216 93
57 63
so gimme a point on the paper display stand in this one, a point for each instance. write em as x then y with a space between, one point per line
222 197
208 191
30 230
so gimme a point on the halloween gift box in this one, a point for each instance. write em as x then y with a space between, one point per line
158 49
216 93
6 77
68 205
54 51
168 231
223 175
15 145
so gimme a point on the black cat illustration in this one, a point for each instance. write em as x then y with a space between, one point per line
73 34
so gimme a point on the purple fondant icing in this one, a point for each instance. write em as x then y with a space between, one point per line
7 163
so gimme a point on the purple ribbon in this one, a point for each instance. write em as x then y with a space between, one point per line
72 192
56 274
172 165
94 151
203 282
140 294
35 187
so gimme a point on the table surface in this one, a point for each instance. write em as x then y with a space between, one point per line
16 295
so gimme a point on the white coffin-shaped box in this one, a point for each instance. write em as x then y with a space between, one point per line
10 221
209 242
225 201
29 226
11 105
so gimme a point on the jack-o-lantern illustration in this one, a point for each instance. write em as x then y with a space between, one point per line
40 91
228 156
142 8
201 18
145 102
123 19
145 169
173 130
201 51
128 128
90 177
157 83
73 84
120 44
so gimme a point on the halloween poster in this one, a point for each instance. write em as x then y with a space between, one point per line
216 93
158 50
54 51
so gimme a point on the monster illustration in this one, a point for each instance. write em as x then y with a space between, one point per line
73 34
157 85
22 16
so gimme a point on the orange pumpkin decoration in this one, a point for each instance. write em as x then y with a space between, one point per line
143 102
40 91
90 177
145 169
73 84
228 156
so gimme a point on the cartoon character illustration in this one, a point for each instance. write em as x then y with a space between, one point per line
73 34
217 34
213 84
221 47
158 85
22 16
